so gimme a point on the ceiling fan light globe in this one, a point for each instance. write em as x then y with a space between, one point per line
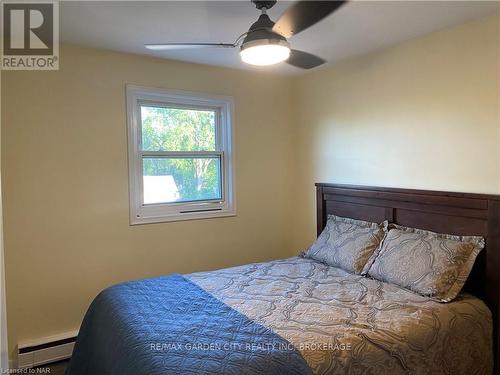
265 52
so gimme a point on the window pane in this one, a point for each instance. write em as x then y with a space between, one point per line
181 179
172 129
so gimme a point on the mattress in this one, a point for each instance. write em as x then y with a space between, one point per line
291 316
348 324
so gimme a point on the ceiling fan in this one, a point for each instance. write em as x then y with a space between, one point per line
266 42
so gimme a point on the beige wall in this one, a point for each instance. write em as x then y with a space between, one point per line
4 361
64 164
424 114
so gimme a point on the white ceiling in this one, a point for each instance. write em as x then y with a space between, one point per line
355 29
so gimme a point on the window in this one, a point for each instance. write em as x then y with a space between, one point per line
180 155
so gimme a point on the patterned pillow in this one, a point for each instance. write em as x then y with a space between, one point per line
348 244
431 264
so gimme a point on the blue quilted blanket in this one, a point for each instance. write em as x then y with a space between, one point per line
169 325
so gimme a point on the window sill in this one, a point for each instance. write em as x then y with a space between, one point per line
181 217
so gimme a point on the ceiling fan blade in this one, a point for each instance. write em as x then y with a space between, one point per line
173 46
304 14
304 60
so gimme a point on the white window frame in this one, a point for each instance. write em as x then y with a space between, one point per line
141 213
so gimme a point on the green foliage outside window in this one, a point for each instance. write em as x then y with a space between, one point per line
170 129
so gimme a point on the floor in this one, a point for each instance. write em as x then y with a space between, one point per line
58 368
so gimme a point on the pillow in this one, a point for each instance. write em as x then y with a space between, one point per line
348 244
431 264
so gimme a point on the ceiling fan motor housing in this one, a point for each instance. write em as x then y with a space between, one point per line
261 32
263 4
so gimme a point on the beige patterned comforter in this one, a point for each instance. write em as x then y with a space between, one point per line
349 324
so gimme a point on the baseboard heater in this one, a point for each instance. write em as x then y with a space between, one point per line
47 350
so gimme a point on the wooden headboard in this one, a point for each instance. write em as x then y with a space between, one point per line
442 212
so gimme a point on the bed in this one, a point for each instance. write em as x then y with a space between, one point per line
299 316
